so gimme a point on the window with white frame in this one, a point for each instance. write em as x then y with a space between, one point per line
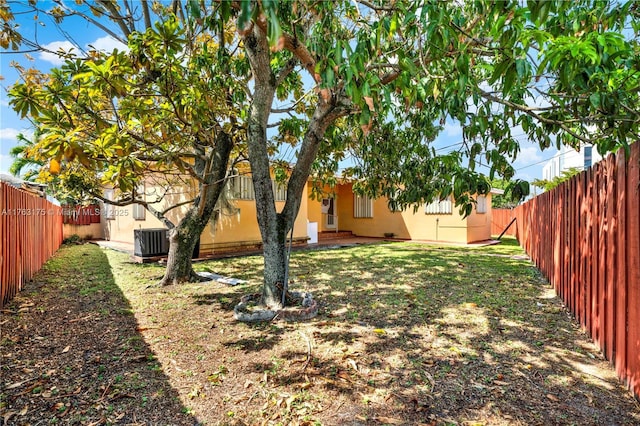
481 204
139 212
362 206
109 212
438 207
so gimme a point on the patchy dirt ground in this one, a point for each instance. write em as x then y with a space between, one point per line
407 335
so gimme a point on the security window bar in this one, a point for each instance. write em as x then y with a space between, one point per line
241 188
362 206
438 207
279 191
139 212
109 212
481 204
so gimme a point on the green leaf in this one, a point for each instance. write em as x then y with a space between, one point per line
245 13
194 8
394 25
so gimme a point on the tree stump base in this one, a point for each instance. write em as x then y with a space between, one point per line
250 310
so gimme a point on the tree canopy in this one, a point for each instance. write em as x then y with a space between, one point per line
371 79
158 112
549 184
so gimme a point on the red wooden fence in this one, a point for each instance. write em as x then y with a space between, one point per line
585 238
30 232
500 219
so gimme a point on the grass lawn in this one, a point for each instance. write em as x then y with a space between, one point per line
406 334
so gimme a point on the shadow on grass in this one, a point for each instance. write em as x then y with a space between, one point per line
407 334
73 352
448 333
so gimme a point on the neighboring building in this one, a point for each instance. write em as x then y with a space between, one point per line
569 158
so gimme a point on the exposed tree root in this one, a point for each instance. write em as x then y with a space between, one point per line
250 310
171 280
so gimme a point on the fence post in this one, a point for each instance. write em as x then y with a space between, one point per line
633 271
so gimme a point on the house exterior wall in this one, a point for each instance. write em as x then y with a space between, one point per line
240 229
407 224
234 229
314 213
479 224
119 225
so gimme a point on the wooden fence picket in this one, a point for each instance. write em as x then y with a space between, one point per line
30 232
584 236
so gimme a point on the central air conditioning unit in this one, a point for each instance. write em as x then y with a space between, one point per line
150 242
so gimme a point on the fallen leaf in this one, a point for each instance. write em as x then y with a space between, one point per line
353 364
500 383
552 397
18 384
344 376
8 416
290 401
379 331
390 420
66 349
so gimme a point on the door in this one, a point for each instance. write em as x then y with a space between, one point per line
329 212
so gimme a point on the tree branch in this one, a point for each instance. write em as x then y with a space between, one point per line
532 112
288 68
372 6
146 14
116 17
92 21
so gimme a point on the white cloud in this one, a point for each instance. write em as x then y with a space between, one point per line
107 44
56 51
9 133
528 155
452 129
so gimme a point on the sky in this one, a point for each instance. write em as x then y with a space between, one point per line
528 164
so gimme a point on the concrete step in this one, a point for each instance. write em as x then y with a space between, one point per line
333 235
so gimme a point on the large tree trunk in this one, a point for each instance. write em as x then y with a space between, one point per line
274 233
274 227
182 242
275 266
183 238
269 222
